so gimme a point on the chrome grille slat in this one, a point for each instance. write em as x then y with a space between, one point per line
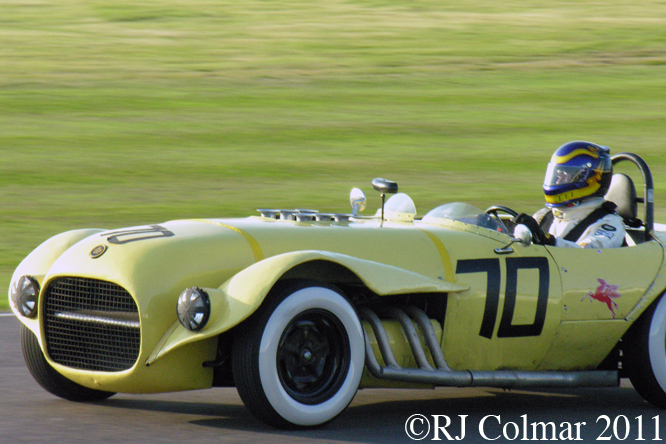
91 325
102 320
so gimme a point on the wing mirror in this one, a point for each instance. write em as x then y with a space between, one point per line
357 200
521 235
384 186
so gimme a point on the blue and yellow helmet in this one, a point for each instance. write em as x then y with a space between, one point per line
577 171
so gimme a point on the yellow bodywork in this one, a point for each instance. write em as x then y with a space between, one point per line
241 295
238 261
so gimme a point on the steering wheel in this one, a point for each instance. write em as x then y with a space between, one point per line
493 211
496 209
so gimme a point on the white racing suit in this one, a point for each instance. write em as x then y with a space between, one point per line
607 232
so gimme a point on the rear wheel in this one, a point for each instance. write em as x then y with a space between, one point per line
52 381
645 354
299 360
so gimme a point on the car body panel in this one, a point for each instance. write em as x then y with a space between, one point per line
155 263
40 260
582 271
153 270
180 370
583 345
658 287
511 332
602 293
240 296
503 311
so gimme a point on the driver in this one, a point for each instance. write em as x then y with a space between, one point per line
576 214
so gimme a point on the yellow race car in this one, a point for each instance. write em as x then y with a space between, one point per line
298 309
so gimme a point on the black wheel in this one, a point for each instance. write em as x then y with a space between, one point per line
298 361
645 354
52 381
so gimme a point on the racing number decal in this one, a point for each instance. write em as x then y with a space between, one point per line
137 234
508 330
492 269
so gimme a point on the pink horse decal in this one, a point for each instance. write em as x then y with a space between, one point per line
605 293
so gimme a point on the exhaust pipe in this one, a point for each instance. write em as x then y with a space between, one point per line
444 376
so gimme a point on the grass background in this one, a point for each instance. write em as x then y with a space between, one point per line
135 112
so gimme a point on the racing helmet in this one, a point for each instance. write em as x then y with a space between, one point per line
577 171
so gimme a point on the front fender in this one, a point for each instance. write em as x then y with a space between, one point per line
240 296
40 260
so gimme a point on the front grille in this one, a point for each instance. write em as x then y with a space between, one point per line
91 325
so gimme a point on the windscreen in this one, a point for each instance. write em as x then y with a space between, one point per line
466 213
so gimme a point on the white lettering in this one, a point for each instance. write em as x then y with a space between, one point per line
417 427
439 428
482 425
545 427
516 430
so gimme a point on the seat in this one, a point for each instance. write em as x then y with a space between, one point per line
622 193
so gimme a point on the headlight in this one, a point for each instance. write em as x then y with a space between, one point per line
24 295
193 308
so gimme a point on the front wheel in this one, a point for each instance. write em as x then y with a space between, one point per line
52 381
645 354
299 360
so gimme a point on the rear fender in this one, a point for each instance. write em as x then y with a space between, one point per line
240 296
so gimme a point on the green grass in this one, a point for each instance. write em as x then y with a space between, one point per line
133 112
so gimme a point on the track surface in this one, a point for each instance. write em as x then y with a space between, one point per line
31 415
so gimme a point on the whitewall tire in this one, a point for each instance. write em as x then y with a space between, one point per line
299 360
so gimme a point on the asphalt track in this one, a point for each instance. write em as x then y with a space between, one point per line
31 415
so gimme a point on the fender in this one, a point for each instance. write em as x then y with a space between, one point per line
38 263
240 296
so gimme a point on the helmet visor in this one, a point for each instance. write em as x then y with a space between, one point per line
563 174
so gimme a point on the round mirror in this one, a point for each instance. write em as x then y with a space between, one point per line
357 200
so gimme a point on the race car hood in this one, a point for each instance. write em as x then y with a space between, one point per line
154 264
